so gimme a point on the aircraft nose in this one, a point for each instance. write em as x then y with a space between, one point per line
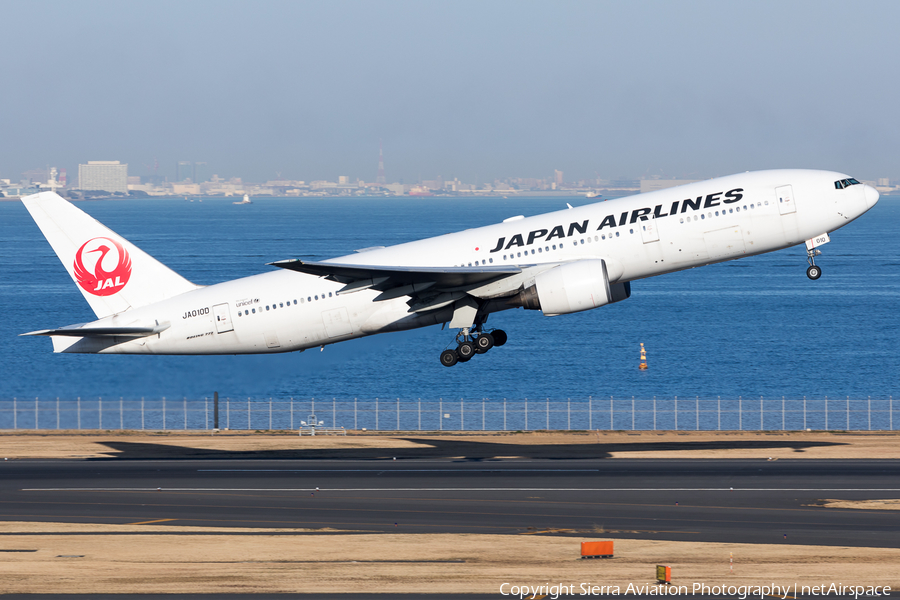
871 196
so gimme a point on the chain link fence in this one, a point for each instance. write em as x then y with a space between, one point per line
608 413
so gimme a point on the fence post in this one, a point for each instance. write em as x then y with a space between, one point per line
718 413
590 412
526 414
376 414
77 410
355 414
761 426
740 413
15 418
398 414
57 412
420 414
504 414
142 413
548 413
611 411
482 414
292 415
184 399
164 413
99 412
848 413
36 414
632 415
270 413
121 413
249 413
826 413
462 425
334 412
804 413
569 413
697 409
870 414
891 411
676 413
441 414
782 413
216 411
654 413
227 413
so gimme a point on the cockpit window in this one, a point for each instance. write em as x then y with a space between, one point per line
839 185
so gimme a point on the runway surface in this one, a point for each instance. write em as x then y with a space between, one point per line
755 501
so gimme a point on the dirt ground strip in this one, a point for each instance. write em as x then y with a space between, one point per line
452 563
772 445
889 504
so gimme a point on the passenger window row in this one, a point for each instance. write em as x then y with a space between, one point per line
541 250
277 305
723 212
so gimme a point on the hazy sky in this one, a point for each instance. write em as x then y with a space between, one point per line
476 90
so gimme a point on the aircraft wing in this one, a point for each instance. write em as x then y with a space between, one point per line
359 277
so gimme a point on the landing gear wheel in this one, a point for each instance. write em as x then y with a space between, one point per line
465 351
449 358
814 272
499 337
483 343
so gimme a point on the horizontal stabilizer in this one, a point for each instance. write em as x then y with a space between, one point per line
77 331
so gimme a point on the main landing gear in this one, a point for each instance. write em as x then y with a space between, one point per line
470 345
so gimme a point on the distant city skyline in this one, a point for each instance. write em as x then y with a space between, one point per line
101 178
464 89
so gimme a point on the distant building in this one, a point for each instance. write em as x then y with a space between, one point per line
39 176
557 177
106 175
184 171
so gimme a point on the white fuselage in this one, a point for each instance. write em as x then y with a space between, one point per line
638 237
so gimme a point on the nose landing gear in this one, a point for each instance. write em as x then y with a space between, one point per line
812 251
814 271
470 345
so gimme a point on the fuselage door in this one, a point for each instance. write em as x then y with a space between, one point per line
785 196
649 232
223 318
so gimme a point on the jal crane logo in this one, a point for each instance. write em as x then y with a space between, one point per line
92 266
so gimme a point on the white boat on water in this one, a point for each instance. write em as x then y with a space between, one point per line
246 200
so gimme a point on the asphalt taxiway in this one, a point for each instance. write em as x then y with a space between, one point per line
753 501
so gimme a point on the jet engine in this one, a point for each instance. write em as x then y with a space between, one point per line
572 287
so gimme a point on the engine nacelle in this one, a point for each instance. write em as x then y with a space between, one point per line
573 287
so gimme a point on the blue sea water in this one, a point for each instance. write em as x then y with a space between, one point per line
751 327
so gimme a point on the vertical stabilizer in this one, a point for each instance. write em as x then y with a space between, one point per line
112 273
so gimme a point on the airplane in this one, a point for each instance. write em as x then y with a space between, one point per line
561 262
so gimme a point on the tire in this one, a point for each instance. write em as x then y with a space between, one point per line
483 343
814 272
499 337
449 358
465 351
